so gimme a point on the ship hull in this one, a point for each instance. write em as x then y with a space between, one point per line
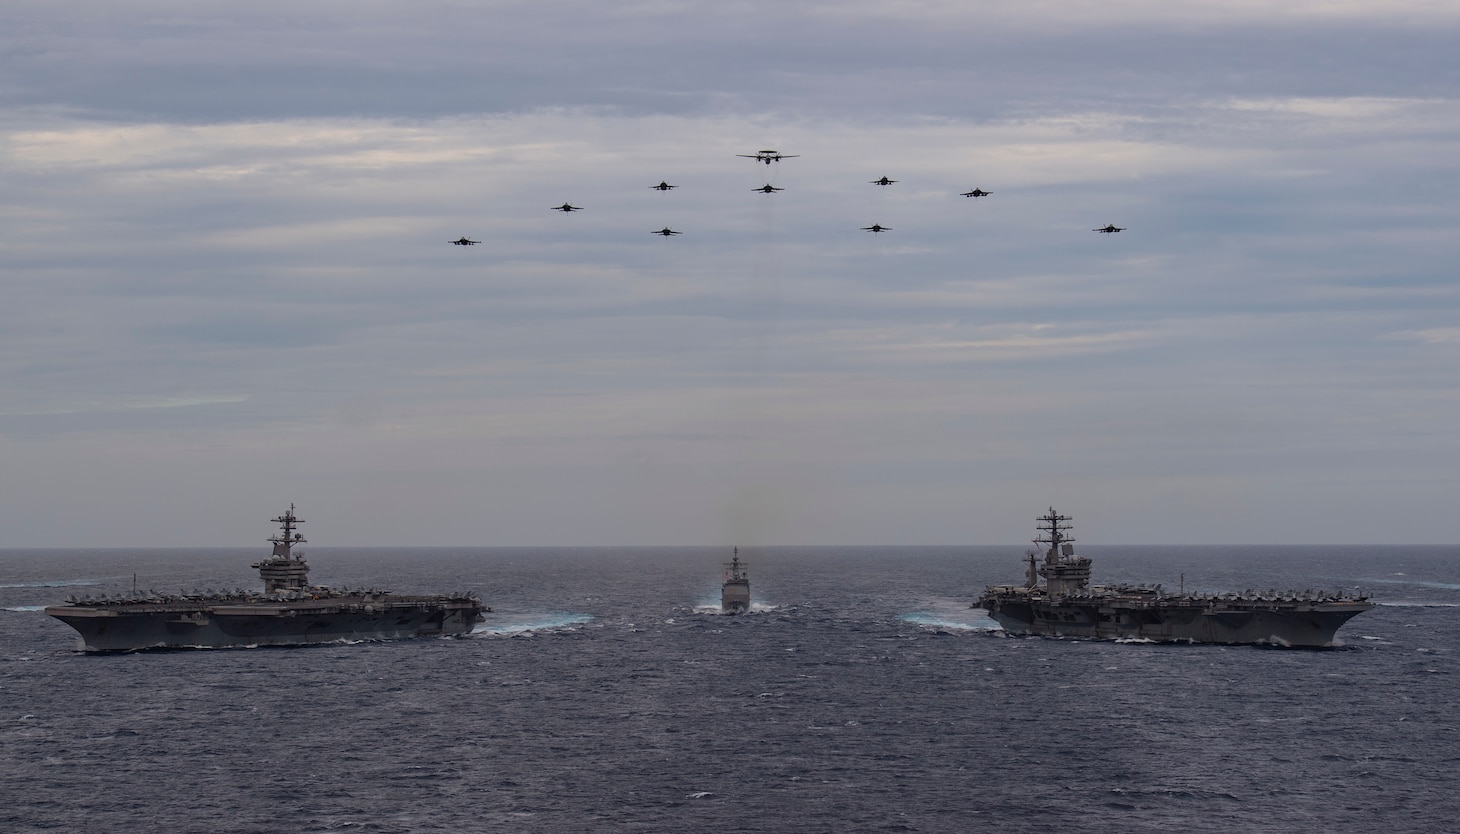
131 628
1300 625
735 598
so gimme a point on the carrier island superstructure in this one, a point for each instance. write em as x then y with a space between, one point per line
735 593
1067 605
289 612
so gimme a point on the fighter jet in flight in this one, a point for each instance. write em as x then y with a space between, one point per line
666 231
567 207
977 192
767 189
874 228
883 181
663 186
768 156
1109 230
465 242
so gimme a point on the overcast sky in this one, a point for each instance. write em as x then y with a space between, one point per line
226 283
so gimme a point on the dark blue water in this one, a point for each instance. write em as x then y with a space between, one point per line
861 695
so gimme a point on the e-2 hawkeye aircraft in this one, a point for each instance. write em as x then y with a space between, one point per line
768 156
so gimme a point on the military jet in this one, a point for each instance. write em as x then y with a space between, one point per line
768 156
663 186
883 181
977 192
666 231
567 207
465 242
1108 230
767 189
874 228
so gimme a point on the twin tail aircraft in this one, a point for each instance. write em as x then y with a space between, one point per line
768 156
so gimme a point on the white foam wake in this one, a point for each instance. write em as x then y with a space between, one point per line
518 624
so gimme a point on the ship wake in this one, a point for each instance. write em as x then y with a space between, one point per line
528 623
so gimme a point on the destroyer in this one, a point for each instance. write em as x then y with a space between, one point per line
1067 605
735 593
289 612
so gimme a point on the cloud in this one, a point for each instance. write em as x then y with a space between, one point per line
225 255
1431 336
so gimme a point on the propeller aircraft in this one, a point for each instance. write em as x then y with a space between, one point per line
768 156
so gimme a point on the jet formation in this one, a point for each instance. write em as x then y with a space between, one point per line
768 156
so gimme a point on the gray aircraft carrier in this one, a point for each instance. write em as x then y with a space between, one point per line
289 612
1067 605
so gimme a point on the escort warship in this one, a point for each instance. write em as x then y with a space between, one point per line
735 593
289 612
1067 605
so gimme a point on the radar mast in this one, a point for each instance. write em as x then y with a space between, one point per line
1053 526
1064 573
284 571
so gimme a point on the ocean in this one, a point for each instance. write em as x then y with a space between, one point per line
606 693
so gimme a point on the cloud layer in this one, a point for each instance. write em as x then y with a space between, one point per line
228 286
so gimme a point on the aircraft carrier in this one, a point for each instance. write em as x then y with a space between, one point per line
1067 605
289 611
735 593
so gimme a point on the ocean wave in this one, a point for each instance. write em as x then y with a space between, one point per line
530 623
924 618
1446 586
52 583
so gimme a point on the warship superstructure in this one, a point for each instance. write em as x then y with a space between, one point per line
735 593
1067 605
289 612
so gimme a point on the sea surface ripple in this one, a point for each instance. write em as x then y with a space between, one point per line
605 693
